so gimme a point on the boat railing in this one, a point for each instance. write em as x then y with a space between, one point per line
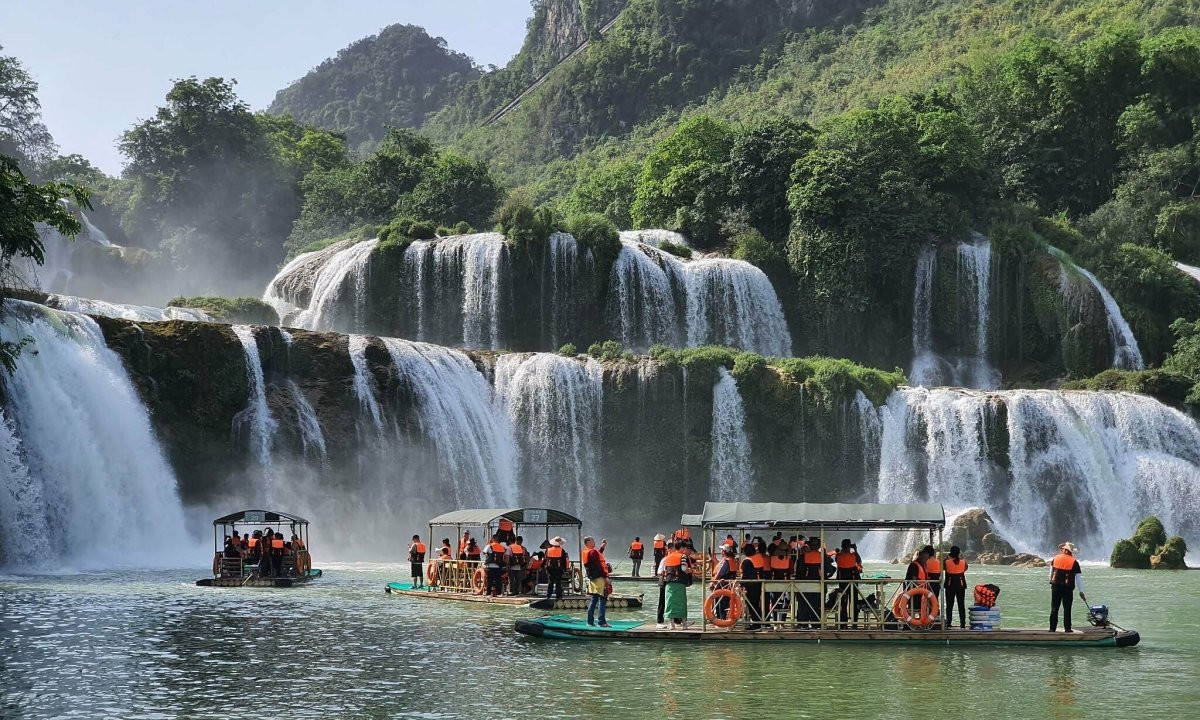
470 576
292 564
830 604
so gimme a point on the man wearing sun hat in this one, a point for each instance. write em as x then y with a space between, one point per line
1065 579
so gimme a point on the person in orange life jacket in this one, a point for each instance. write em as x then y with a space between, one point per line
779 565
517 558
915 577
723 578
730 542
416 560
933 570
1065 578
473 553
254 547
752 565
277 554
557 564
440 561
597 577
506 531
494 564
956 587
677 576
659 546
849 566
811 564
636 552
463 544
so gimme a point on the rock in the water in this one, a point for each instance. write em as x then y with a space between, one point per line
1026 560
1170 555
974 532
993 543
1149 548
1126 554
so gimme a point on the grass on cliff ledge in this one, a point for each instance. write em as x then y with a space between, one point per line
247 310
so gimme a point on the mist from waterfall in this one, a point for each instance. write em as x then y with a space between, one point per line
78 455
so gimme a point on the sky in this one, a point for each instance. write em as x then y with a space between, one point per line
104 64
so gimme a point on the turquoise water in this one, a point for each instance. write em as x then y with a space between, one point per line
151 644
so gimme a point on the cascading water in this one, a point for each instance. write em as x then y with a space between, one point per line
654 238
731 477
144 313
641 301
343 271
1192 271
555 402
566 293
459 277
1126 353
458 415
1047 465
79 458
364 384
925 361
311 434
256 419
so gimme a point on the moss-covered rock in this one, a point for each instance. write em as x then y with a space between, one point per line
1165 386
1149 548
1126 554
1149 535
242 310
1170 556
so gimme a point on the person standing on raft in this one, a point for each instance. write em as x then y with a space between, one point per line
660 549
677 576
597 578
1065 578
416 558
557 563
956 586
517 559
636 552
723 579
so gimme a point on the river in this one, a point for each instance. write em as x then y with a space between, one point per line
152 645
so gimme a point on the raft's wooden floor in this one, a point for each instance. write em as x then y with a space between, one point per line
564 627
569 602
630 578
258 582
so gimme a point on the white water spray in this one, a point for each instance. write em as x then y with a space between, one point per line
731 476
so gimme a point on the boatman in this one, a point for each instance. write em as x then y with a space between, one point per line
636 552
660 549
494 563
1065 579
518 559
416 558
557 563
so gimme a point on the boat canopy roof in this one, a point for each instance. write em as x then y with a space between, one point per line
520 516
825 515
259 517
690 520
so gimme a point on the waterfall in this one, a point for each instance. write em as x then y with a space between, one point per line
555 403
58 268
566 293
290 290
257 415
731 477
1126 354
79 456
654 238
731 302
1049 466
460 418
654 297
364 382
347 266
311 434
1190 270
144 313
968 365
465 276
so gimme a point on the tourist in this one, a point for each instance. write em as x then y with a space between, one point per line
660 549
811 565
750 580
636 552
277 555
535 573
473 553
660 570
956 587
933 570
463 544
597 578
416 559
254 548
516 559
677 575
557 563
723 578
849 570
1065 578
494 564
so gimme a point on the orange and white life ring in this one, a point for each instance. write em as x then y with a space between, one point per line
431 572
217 565
303 562
477 581
929 607
735 608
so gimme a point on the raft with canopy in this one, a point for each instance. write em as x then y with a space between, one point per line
463 580
873 607
243 567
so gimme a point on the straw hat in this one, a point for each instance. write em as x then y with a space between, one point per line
1069 547
660 536
557 541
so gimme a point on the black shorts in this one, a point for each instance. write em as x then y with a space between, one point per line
416 569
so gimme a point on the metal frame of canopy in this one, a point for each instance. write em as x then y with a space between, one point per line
489 518
821 517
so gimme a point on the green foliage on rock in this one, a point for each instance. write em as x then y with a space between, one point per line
607 351
1165 385
608 189
569 350
1185 359
243 310
525 226
597 233
1150 548
1125 554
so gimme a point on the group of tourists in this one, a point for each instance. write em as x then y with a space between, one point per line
269 550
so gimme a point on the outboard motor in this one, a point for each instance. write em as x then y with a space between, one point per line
1098 615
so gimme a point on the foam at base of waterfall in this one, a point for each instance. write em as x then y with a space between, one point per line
731 476
87 459
1083 466
555 403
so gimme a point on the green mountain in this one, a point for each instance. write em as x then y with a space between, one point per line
396 78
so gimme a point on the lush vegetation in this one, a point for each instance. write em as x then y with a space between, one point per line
246 310
1150 548
396 78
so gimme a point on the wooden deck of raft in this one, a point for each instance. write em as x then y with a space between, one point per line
569 602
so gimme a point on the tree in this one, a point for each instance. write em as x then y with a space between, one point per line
684 184
608 189
455 188
22 134
22 204
760 169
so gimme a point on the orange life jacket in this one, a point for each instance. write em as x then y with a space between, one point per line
812 557
956 567
473 553
519 557
506 525
846 560
780 563
673 566
1063 564
759 561
933 567
535 563
682 534
276 544
660 544
417 552
253 542
555 558
636 546
496 551
920 571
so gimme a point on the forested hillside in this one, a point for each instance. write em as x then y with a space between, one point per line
396 78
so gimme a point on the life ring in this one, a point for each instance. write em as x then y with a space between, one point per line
303 562
431 572
477 580
217 565
929 607
735 608
579 580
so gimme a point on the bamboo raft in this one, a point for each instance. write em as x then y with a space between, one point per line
569 602
259 582
562 627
